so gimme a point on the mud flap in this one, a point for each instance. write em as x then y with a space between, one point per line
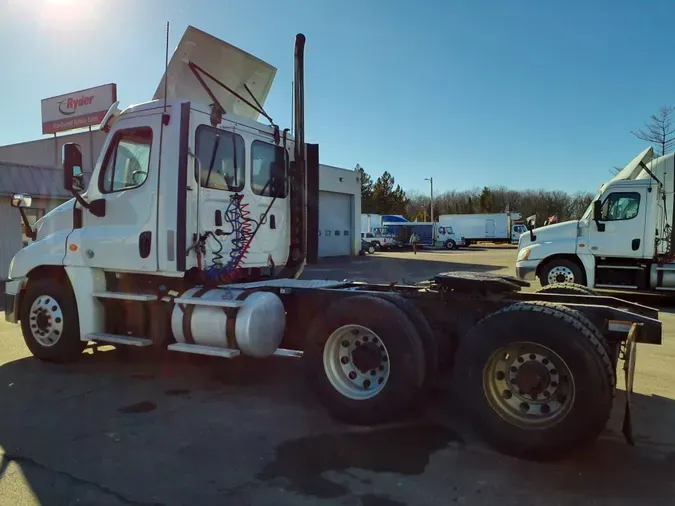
629 374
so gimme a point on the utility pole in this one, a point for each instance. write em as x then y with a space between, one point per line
433 237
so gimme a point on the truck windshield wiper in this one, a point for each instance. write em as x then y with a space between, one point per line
213 159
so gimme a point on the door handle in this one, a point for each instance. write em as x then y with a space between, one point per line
219 218
635 244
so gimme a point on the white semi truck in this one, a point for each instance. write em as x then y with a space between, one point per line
624 240
191 237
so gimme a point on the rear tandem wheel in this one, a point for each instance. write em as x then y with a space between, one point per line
537 381
365 359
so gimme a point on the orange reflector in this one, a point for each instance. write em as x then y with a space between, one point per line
581 245
72 247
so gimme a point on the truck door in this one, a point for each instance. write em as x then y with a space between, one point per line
490 228
122 238
623 216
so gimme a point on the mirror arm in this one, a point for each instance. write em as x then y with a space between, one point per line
79 199
32 234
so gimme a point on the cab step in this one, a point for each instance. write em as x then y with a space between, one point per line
138 297
118 339
199 349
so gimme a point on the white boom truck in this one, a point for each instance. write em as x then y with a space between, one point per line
194 229
624 240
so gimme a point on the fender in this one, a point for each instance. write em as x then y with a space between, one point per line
49 250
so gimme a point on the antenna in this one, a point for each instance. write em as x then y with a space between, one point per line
166 65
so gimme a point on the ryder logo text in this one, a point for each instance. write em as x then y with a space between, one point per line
69 105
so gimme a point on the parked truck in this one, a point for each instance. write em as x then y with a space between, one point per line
495 228
624 240
191 237
431 235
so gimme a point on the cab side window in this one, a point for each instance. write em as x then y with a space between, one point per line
268 169
621 206
221 159
128 160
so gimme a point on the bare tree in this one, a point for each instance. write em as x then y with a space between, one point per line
659 130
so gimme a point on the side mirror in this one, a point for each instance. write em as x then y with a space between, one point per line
73 179
21 200
597 215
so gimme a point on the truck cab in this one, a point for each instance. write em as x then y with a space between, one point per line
621 241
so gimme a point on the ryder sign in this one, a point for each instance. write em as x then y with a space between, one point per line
78 109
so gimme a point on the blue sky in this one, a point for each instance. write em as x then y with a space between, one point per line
527 94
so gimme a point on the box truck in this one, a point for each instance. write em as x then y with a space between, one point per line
495 228
193 232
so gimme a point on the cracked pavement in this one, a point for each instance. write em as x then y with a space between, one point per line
121 429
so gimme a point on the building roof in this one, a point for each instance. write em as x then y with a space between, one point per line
46 182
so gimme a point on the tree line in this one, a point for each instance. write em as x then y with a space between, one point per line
384 196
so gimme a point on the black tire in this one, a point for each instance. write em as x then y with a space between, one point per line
579 278
404 347
546 325
450 244
67 346
371 249
567 289
426 334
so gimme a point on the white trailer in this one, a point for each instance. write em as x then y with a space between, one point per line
624 239
193 231
496 227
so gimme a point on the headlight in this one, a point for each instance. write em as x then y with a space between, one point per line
524 254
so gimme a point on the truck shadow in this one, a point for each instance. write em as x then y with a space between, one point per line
176 429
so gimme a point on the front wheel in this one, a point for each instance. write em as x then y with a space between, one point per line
49 321
450 244
561 270
371 249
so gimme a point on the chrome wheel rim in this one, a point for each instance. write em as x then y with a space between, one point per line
529 385
356 362
46 321
560 274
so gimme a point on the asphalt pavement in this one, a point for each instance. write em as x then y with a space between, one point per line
122 428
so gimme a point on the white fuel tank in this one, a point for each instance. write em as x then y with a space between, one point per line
256 326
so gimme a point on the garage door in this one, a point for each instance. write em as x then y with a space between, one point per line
335 224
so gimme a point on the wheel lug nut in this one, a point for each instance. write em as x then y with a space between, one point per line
345 344
507 394
553 372
357 343
365 339
352 375
524 406
344 360
500 375
514 368
373 372
545 409
366 384
533 356
554 383
521 359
